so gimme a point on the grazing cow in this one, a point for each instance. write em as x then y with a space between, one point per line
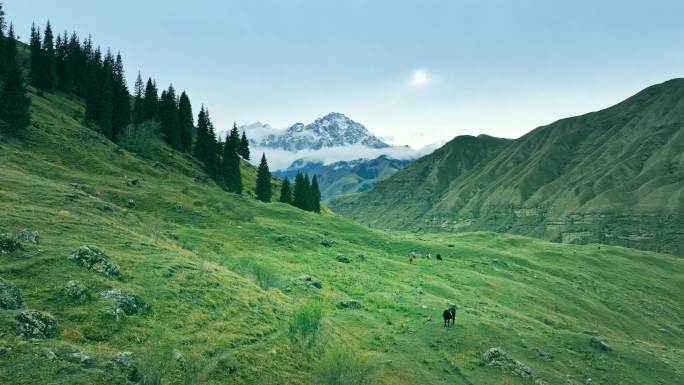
449 314
439 257
427 256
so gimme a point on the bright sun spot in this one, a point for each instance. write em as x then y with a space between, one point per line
419 78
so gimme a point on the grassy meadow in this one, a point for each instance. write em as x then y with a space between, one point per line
222 277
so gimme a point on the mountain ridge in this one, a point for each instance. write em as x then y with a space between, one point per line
332 130
346 177
610 176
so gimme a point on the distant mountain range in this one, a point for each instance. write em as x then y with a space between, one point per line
332 130
345 177
614 176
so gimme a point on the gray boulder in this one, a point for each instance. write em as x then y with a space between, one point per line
327 243
499 358
94 259
350 304
342 259
79 358
10 296
27 235
312 281
128 303
599 343
76 290
8 243
34 324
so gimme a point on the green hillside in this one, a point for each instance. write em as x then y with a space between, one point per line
614 176
212 282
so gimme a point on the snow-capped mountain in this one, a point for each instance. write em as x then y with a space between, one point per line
332 130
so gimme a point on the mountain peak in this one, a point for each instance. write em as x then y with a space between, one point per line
332 130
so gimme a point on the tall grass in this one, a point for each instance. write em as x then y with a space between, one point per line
305 324
263 275
341 365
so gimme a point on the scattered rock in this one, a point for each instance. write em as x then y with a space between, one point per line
8 243
327 243
282 238
131 204
129 303
10 296
350 304
27 235
287 289
419 290
124 361
598 343
480 302
50 355
34 324
79 358
342 259
76 290
499 358
312 281
178 207
94 259
133 182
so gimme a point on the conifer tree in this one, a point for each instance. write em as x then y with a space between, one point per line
4 63
200 148
151 101
139 90
185 122
299 195
231 162
36 71
48 61
121 108
307 199
263 183
234 138
168 114
9 50
213 159
14 103
102 96
244 146
315 195
220 147
285 192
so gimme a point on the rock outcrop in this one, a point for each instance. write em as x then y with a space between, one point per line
94 259
34 324
10 296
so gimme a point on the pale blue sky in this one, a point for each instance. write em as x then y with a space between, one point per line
495 67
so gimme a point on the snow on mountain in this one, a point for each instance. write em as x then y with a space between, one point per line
332 130
329 139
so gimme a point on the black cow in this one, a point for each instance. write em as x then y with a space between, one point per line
449 314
